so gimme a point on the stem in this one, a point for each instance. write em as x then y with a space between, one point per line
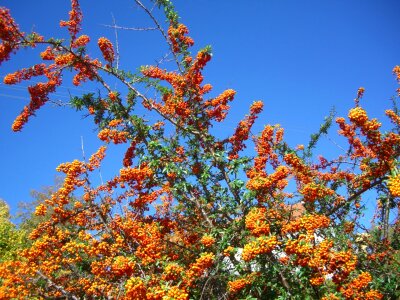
386 219
57 287
138 2
356 194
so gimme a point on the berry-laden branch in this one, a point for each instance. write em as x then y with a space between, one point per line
188 215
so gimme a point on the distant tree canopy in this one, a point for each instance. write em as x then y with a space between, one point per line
11 238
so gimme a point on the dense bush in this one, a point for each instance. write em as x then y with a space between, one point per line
188 215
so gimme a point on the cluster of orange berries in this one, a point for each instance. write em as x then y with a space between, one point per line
302 248
12 272
308 222
115 122
138 175
237 285
354 289
38 93
107 49
176 293
122 266
396 71
256 107
81 41
360 92
346 130
176 80
219 105
174 103
312 192
72 170
369 128
341 264
177 37
48 54
394 185
196 168
96 158
201 264
10 35
113 96
358 115
128 157
40 210
114 135
172 272
395 118
150 239
202 59
264 182
207 240
75 20
270 136
243 129
228 251
302 172
21 119
321 254
64 59
25 74
256 221
156 72
87 70
317 280
262 245
135 289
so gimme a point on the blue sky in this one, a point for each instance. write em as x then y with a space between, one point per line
300 57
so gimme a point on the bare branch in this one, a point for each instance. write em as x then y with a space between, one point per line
116 42
130 28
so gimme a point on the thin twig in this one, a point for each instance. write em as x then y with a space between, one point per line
59 103
83 150
130 28
116 42
149 13
336 144
164 58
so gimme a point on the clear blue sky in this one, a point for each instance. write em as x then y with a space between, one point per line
300 57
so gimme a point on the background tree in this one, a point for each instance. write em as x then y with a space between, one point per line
11 238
